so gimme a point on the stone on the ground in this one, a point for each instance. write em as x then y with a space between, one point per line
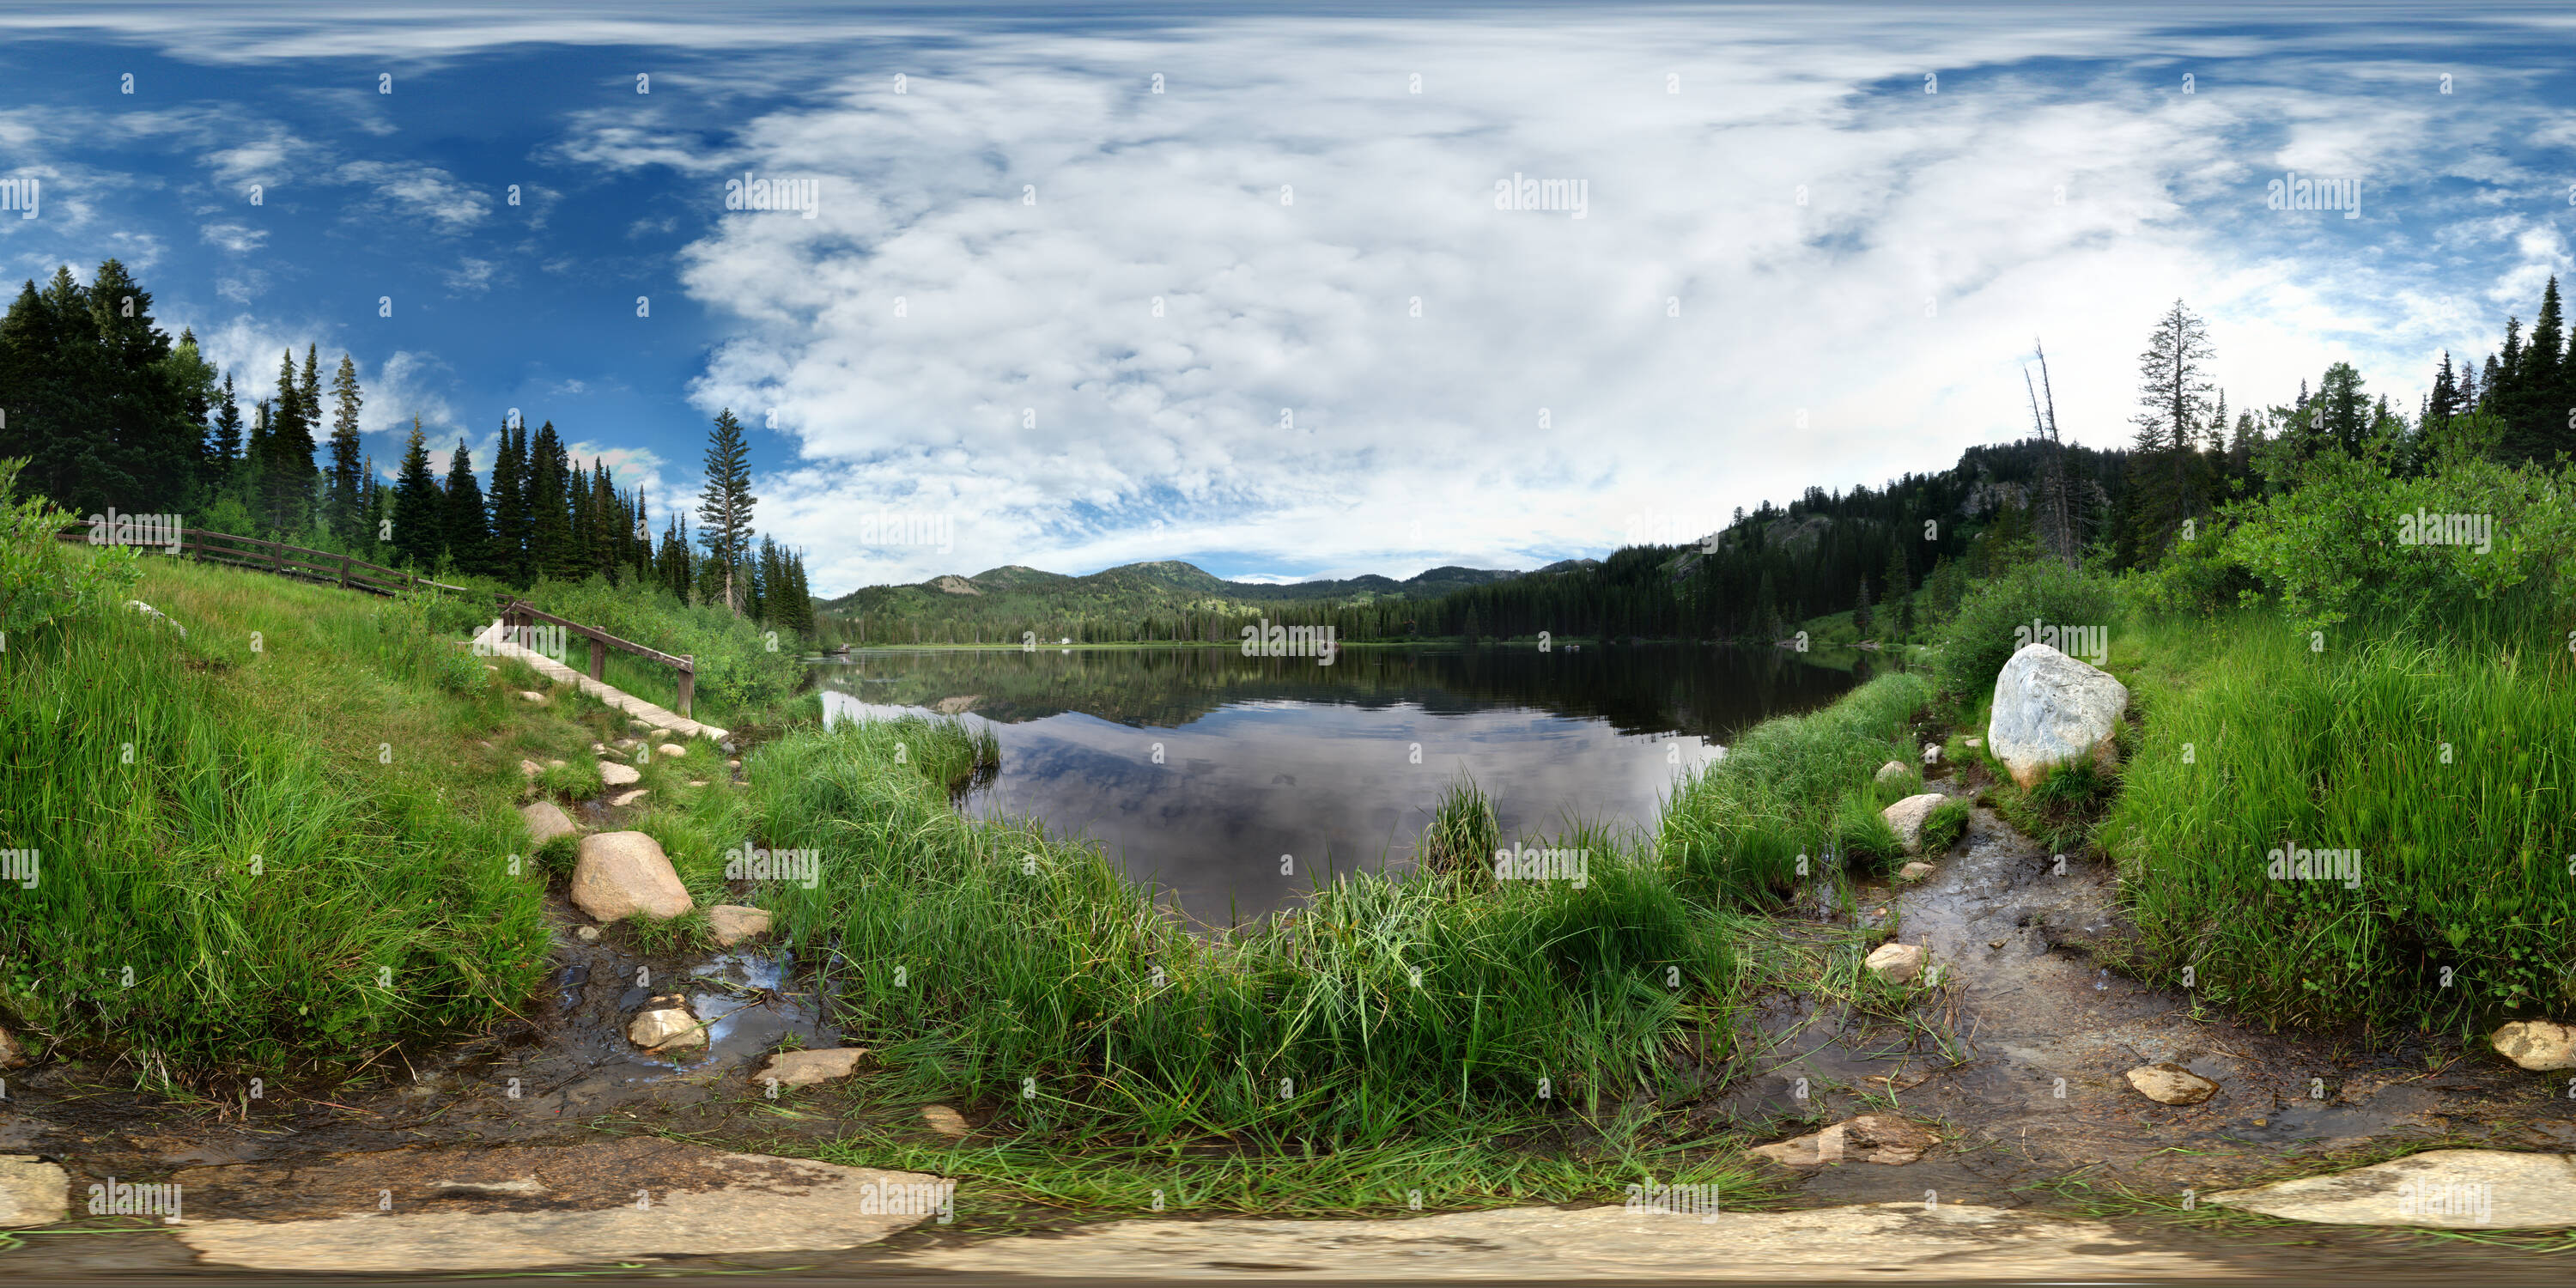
660 734
158 616
2171 1084
586 934
599 749
626 744
727 746
733 764
1976 742
32 1191
946 1121
624 799
805 1068
2537 1044
1870 1138
1892 770
546 821
1915 871
527 1207
532 695
666 1024
2051 709
2447 1188
622 873
637 724
489 667
1896 963
12 1055
1909 1242
697 782
1907 816
671 749
733 923
557 764
614 774
531 768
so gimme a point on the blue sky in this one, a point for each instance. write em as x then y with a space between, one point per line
1794 265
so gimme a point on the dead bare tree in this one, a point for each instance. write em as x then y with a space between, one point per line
2056 507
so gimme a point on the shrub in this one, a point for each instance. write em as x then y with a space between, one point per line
1971 649
42 579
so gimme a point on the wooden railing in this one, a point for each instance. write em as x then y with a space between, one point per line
357 574
280 558
520 613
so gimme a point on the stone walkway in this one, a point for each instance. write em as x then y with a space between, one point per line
490 643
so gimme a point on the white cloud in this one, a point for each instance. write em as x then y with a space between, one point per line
233 237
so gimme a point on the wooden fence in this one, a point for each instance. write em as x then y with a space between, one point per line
357 574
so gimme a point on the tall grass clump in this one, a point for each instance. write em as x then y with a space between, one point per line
1463 833
1734 829
1971 648
251 858
990 959
2447 770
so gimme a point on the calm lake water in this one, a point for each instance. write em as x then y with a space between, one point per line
1199 769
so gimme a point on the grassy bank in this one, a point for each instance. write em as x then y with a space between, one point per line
271 846
2444 771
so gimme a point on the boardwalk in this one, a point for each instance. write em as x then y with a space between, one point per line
490 641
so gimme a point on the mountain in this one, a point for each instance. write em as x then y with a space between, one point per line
1180 583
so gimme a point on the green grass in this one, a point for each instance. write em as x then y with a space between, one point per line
2447 768
283 826
1734 831
1943 827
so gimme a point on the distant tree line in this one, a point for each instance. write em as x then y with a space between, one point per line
109 412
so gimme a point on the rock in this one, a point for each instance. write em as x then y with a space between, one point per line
666 1024
621 873
1907 816
805 1068
1896 963
2537 1044
489 667
733 923
1891 771
2445 1188
531 768
671 749
626 744
1976 742
532 695
2051 709
637 724
659 735
586 934
12 1055
614 774
1915 871
526 1207
946 1121
32 1191
157 615
599 749
555 764
1870 1138
546 821
697 782
2171 1084
733 764
1909 1242
727 746
624 799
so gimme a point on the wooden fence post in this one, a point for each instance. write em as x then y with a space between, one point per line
344 572
688 681
598 661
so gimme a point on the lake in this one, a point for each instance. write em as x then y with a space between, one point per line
1234 782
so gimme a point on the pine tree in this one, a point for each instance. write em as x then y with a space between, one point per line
420 523
287 472
467 531
348 506
509 551
226 449
378 509
550 552
2165 468
724 507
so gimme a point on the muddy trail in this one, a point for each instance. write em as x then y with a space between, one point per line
2018 1049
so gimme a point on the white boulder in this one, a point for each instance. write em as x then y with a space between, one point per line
2537 1044
2051 709
622 873
1907 816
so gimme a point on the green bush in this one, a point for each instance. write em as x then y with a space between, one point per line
42 579
1996 617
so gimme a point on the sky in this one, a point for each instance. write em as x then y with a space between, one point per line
1079 286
